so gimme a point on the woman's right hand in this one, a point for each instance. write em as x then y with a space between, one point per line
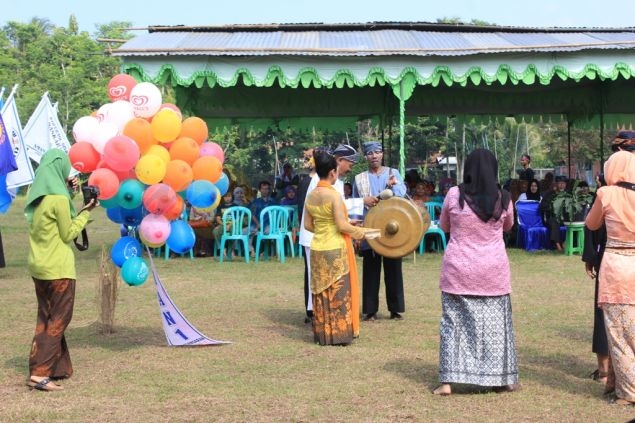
91 205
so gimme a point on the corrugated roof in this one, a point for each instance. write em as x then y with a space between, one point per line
375 39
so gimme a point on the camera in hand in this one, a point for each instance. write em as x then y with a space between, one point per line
90 192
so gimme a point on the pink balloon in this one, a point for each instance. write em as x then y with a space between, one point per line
120 86
85 128
121 153
158 198
212 149
107 182
154 229
146 99
122 175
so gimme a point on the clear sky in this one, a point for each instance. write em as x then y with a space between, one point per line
536 13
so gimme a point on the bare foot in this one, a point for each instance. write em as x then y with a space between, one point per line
443 390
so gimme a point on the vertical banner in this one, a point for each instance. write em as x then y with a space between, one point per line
178 330
24 174
44 131
7 164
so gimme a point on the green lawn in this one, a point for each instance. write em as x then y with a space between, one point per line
272 371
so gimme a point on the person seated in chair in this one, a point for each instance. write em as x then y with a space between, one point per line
551 221
532 193
257 206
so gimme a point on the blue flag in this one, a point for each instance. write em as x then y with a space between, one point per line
7 164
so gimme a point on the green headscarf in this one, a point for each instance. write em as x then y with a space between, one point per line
50 178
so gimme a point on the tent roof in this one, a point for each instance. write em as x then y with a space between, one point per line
362 70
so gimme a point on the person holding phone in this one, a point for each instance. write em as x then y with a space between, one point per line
53 224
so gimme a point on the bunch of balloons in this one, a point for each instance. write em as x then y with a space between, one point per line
146 161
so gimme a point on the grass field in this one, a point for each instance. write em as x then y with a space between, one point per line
272 372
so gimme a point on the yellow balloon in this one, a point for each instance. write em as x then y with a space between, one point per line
159 151
150 169
166 125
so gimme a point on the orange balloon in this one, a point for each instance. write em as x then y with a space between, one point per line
185 149
159 151
208 168
178 175
140 131
175 210
166 125
195 128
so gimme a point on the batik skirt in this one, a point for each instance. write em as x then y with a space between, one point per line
477 341
332 315
620 329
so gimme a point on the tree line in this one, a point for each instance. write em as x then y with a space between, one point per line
75 68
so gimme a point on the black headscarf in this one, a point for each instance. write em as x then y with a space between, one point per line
480 186
530 195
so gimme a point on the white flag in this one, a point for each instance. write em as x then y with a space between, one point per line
24 174
44 131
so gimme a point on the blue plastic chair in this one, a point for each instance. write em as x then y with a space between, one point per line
294 230
434 210
532 233
275 219
233 219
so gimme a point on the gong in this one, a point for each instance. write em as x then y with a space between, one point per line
402 224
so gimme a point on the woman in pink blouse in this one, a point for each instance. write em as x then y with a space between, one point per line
615 206
477 337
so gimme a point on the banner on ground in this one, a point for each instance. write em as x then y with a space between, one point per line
24 173
178 330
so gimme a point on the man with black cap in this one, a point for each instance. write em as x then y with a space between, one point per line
368 185
346 157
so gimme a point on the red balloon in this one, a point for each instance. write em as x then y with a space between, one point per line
107 182
175 211
122 175
159 198
120 86
84 157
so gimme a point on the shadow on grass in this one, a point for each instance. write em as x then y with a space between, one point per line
123 338
289 323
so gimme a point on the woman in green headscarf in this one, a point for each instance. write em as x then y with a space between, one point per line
53 224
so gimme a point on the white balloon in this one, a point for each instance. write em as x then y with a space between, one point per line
120 112
103 111
85 128
146 99
104 133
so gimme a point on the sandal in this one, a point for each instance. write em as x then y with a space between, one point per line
45 385
599 376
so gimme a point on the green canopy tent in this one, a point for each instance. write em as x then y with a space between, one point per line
320 75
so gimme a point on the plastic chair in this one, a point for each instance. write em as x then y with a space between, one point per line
531 234
434 210
277 220
574 239
294 227
233 219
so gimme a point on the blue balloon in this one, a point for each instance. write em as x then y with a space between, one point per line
114 214
223 183
131 217
130 194
181 238
124 248
201 193
134 271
